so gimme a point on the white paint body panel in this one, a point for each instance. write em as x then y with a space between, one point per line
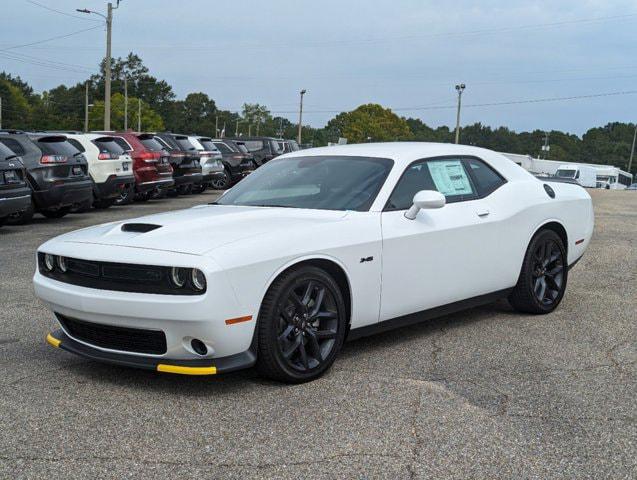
442 256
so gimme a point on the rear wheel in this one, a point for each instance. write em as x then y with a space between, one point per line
23 217
58 213
200 188
184 189
222 182
103 203
543 277
301 326
126 197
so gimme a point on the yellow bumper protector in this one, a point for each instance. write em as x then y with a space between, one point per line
51 340
162 367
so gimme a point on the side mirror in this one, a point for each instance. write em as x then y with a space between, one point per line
425 199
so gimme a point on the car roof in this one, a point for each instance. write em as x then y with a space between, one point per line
404 153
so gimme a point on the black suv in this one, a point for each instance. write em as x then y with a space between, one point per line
57 172
15 194
264 149
237 163
184 158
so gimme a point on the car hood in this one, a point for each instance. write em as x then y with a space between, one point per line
202 229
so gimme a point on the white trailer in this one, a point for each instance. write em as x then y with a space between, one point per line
583 174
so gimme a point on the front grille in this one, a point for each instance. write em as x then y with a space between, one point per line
121 277
115 338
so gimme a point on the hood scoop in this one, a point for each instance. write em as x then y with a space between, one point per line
139 227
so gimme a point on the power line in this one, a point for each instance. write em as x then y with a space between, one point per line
490 104
52 38
61 12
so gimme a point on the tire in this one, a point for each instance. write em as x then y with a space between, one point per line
291 347
199 188
23 217
83 207
184 189
126 197
143 197
222 183
59 213
103 203
543 276
172 193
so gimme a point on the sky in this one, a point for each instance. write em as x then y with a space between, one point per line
404 54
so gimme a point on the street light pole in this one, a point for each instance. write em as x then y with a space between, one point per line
86 108
125 103
139 114
107 65
298 137
459 88
632 150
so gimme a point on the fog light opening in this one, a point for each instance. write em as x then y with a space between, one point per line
199 347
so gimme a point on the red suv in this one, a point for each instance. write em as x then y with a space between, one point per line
151 166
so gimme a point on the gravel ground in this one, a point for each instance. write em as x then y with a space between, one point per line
486 393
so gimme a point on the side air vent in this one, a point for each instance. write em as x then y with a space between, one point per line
139 227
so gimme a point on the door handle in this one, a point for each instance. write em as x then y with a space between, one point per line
482 213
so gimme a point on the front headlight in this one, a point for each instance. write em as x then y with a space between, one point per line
49 262
198 279
178 276
62 264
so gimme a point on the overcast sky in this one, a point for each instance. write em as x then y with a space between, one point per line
404 54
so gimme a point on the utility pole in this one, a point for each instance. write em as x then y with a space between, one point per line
546 147
107 64
86 107
139 114
236 129
125 103
298 137
216 126
0 112
459 88
249 129
630 162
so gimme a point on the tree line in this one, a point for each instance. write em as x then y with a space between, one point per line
153 103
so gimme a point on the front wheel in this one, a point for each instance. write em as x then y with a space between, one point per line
301 326
543 277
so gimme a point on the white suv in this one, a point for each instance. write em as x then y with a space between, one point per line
110 167
211 165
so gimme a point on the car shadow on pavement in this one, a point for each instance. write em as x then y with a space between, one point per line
91 372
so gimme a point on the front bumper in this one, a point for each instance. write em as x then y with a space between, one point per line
60 339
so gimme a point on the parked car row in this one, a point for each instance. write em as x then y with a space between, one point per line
57 172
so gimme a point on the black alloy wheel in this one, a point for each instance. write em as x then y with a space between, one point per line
301 326
126 197
544 275
221 182
548 272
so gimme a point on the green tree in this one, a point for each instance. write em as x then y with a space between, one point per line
369 122
16 109
151 121
195 114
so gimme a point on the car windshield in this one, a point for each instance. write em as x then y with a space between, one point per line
321 182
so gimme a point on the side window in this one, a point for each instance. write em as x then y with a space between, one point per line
485 178
253 145
77 145
448 176
14 145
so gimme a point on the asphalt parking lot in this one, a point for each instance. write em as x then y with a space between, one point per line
486 393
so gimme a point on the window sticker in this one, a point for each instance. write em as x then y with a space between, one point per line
450 177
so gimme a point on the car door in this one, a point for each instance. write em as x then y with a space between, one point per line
444 255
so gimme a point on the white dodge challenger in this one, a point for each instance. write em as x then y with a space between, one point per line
312 248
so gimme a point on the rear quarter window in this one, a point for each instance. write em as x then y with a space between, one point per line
13 145
123 144
77 144
151 144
